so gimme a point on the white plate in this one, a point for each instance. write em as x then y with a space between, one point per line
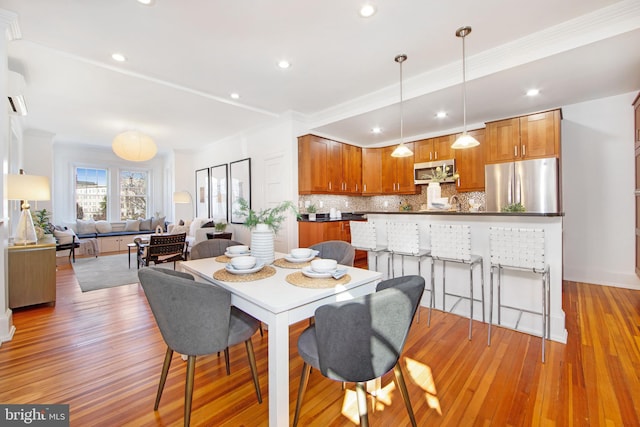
235 255
289 258
259 265
307 271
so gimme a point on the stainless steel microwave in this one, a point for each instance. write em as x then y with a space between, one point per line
422 172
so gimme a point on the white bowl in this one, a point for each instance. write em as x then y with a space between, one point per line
324 265
238 249
301 252
243 262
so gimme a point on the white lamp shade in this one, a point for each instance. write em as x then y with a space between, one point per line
181 197
28 187
402 151
465 141
134 146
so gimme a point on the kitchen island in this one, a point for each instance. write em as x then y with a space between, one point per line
518 288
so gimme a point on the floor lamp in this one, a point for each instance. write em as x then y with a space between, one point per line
183 197
27 187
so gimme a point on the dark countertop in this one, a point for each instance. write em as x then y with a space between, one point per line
462 213
324 217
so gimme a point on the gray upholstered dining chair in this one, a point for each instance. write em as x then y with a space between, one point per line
195 319
341 251
211 248
361 339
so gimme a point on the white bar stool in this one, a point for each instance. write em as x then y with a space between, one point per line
363 237
403 238
519 249
452 243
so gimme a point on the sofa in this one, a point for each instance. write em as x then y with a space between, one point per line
196 230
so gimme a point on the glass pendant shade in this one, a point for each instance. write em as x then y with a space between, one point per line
401 150
465 141
134 146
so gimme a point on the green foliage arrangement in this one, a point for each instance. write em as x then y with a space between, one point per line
220 226
440 174
513 207
272 217
311 208
41 218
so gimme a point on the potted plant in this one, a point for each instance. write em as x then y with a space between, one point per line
434 192
272 218
41 222
311 210
220 226
264 225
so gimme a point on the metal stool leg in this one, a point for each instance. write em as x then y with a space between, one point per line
470 300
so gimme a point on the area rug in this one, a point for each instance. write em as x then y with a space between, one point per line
107 271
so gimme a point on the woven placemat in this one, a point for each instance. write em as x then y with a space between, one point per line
223 259
225 276
281 262
299 279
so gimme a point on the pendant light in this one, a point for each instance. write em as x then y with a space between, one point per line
134 146
465 140
401 150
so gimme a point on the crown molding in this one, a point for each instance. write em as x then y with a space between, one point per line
9 20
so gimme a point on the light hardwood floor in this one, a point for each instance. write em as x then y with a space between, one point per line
101 353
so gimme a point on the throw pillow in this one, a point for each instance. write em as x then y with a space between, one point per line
208 224
86 227
132 225
195 224
155 222
145 224
64 237
103 227
181 222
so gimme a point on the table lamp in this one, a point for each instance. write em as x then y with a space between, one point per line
27 187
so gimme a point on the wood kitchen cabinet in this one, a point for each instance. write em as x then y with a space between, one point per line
32 274
433 149
371 171
470 164
397 172
311 232
328 167
527 137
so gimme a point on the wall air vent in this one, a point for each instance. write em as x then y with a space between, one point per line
17 105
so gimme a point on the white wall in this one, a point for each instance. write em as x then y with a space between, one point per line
277 140
598 190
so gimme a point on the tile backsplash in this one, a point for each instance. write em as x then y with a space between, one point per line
324 202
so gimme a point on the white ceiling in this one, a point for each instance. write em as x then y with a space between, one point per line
186 57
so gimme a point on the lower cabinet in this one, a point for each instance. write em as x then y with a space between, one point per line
115 243
311 232
32 274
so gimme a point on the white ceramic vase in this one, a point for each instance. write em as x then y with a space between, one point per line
433 194
263 243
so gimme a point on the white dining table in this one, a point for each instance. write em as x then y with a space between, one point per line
279 304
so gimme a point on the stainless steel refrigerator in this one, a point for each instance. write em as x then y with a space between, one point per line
533 183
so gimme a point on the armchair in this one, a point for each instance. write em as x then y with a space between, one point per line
162 248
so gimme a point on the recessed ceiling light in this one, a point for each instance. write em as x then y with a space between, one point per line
533 92
441 114
284 64
376 130
367 10
146 2
118 57
235 95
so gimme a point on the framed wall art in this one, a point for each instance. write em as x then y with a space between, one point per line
219 179
240 187
202 193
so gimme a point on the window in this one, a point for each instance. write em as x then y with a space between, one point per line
133 195
91 193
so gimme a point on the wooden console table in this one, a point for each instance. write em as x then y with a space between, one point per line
32 273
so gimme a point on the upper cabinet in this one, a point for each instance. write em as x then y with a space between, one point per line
470 164
397 172
371 171
432 149
527 137
328 167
